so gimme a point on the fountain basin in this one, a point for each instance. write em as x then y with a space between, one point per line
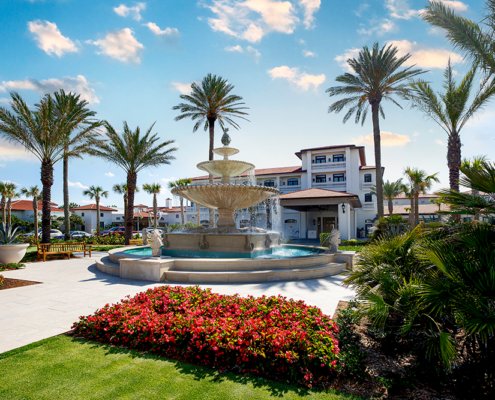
225 168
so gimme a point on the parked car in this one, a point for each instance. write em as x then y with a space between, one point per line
119 230
75 235
32 233
110 231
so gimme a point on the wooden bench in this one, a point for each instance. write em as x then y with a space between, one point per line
62 248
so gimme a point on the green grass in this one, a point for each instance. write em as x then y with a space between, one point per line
351 248
106 247
67 368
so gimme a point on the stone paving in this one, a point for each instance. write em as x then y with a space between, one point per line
75 287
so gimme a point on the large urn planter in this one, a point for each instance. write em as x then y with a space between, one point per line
12 253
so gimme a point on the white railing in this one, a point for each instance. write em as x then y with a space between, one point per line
331 185
368 206
289 189
367 185
329 165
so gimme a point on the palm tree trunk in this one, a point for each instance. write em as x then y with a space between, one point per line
378 158
390 207
454 159
125 209
182 210
97 216
411 212
47 182
35 209
211 124
4 205
131 188
416 204
198 214
9 211
66 199
155 210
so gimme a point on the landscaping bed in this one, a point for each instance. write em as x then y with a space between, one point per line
9 283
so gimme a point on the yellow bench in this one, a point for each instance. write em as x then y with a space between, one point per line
62 248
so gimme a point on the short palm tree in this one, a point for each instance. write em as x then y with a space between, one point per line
421 183
133 152
96 193
154 189
377 76
43 132
451 110
10 193
391 190
35 193
179 183
82 129
208 103
3 202
122 190
468 36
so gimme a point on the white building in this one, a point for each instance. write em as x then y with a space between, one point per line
331 187
23 209
88 214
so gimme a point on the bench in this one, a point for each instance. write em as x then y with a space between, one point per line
62 248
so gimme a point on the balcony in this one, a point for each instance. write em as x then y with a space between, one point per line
289 189
367 185
331 166
369 206
339 186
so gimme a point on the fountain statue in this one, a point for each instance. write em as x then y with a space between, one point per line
226 198
156 243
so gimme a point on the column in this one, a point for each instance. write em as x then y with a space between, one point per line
303 224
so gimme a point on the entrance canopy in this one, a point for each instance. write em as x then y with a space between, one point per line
315 199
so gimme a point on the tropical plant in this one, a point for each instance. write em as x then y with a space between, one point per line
421 182
7 235
391 190
208 103
121 188
10 193
466 35
452 109
42 132
154 189
35 193
176 184
96 193
133 152
378 76
82 129
3 202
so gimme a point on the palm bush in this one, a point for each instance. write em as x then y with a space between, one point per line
7 235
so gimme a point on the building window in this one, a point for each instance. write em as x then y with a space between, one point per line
293 182
367 177
269 183
82 214
321 178
176 215
101 214
117 218
320 159
368 198
338 177
338 158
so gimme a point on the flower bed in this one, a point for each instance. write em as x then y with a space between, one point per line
268 336
1 280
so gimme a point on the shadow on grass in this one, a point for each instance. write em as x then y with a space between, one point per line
199 373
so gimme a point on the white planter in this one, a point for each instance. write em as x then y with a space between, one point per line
12 253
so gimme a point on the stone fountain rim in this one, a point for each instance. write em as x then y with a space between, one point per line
222 161
203 185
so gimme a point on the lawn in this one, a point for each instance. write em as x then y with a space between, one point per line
351 248
66 368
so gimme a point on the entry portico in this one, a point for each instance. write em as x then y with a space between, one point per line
320 210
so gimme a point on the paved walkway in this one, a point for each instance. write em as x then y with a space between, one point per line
73 288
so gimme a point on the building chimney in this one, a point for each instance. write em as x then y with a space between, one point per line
168 203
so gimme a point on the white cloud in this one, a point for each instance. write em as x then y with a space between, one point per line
310 7
455 5
4 99
415 134
134 12
7 181
77 185
362 8
78 85
301 41
184 88
342 59
169 35
439 141
10 151
401 9
308 53
121 45
235 48
378 27
387 139
251 52
424 56
49 38
434 30
301 79
109 174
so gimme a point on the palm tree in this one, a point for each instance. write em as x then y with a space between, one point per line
409 193
179 183
79 118
207 103
122 190
421 183
3 202
391 190
34 192
476 164
154 189
42 132
468 36
133 152
10 193
451 110
95 192
377 77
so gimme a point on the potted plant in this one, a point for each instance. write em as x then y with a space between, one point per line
10 252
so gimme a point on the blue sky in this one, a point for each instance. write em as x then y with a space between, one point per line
132 60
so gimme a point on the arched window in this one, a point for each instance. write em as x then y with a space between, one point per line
367 177
293 182
270 183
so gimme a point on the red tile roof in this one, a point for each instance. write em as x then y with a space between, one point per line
140 206
27 205
367 167
362 154
173 209
264 171
92 207
143 214
421 196
314 193
424 209
471 192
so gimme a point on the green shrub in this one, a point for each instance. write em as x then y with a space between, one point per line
394 224
11 266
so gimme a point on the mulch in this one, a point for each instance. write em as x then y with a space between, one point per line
10 283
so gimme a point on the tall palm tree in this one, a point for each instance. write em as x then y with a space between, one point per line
179 183
473 40
409 193
10 193
34 192
133 152
122 190
476 164
452 109
154 189
210 102
95 192
391 190
80 120
43 132
378 76
3 202
421 182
